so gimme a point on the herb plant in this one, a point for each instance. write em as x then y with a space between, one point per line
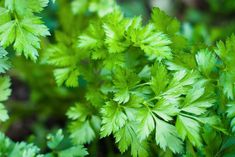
142 85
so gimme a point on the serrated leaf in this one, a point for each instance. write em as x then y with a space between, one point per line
231 114
7 33
167 136
206 61
226 81
126 137
227 77
113 118
67 76
75 151
196 101
154 44
4 88
4 63
58 56
3 113
166 109
53 141
115 45
93 38
187 127
25 7
159 78
122 96
81 132
124 80
79 111
164 23
146 124
25 30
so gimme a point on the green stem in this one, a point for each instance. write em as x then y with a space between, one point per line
141 85
154 98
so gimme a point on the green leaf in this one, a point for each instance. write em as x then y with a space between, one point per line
23 149
113 118
27 36
3 53
4 63
126 137
231 114
154 44
164 23
187 127
178 85
227 77
86 41
206 61
124 80
25 7
114 32
59 56
7 33
84 123
3 113
95 97
159 79
196 101
75 151
54 140
146 125
111 60
166 109
167 136
92 38
225 50
81 132
25 29
5 145
122 96
4 88
79 111
182 61
226 81
69 76
4 15
165 133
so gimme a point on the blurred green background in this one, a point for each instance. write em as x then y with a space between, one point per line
36 110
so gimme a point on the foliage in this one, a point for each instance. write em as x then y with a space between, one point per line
144 84
4 84
22 149
21 27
